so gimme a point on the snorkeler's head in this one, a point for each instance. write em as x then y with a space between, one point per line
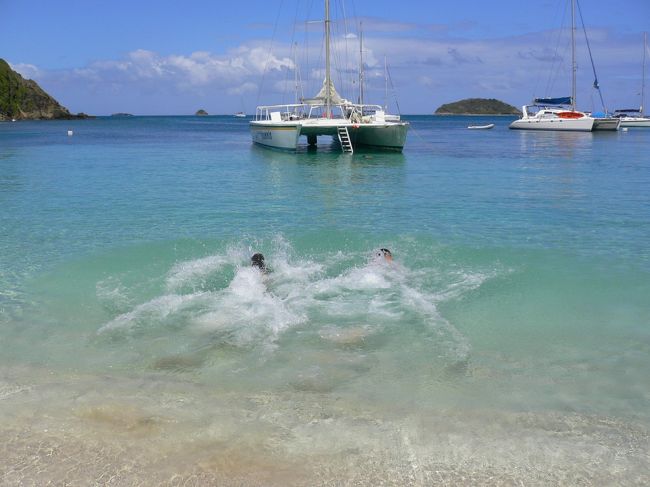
385 253
258 261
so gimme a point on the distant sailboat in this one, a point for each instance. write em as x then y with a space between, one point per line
328 113
634 117
242 112
557 113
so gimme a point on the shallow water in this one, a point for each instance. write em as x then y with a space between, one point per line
507 343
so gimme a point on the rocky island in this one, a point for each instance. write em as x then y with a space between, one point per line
477 106
201 113
23 99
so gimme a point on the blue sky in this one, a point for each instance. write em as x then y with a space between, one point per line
171 57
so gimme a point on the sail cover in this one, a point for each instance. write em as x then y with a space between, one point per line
566 100
321 97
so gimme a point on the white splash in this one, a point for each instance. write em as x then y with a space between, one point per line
152 311
189 272
347 303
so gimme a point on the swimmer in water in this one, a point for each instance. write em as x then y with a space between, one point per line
385 253
258 261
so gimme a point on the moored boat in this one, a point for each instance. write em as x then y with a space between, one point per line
352 124
603 121
557 113
634 117
553 114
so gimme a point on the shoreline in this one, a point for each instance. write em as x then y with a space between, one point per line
45 119
86 429
503 346
226 115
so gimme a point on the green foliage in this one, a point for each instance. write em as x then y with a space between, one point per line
24 98
8 86
478 106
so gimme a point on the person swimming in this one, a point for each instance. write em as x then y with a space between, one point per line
257 260
386 254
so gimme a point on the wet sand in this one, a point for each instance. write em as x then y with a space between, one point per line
165 430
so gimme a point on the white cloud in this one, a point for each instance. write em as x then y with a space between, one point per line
28 71
243 89
426 71
198 69
426 81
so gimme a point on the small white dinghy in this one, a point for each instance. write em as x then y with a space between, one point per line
481 127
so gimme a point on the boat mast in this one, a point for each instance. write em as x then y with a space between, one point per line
295 72
645 48
385 84
573 55
360 63
328 96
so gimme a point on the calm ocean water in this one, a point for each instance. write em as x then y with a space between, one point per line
508 343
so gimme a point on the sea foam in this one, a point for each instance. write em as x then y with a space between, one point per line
344 298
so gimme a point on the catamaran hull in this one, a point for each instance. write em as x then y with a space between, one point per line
606 124
278 137
386 137
381 136
585 124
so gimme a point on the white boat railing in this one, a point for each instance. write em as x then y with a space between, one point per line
352 112
285 111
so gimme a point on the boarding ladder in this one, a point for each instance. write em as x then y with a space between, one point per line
344 139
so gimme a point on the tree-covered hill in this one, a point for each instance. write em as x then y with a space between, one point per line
477 106
23 99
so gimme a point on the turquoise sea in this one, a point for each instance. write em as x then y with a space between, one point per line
508 343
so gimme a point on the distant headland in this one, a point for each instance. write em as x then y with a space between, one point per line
23 99
477 106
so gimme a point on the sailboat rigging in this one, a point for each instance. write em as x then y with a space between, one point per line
557 113
602 120
328 113
633 117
